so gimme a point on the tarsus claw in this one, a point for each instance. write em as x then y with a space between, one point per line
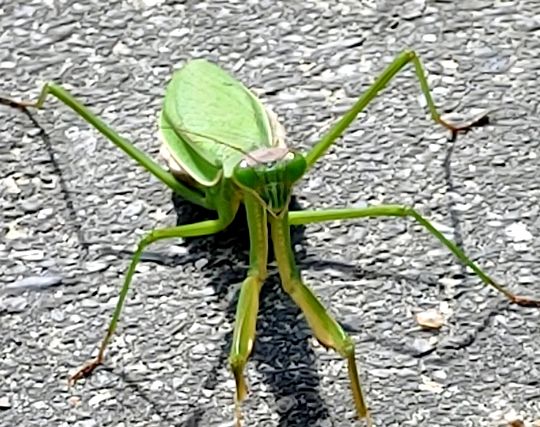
525 302
84 371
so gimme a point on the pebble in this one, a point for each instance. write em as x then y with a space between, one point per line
33 283
286 403
201 263
85 423
518 232
4 403
96 266
14 304
421 345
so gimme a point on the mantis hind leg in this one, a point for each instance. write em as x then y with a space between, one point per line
190 230
306 217
384 78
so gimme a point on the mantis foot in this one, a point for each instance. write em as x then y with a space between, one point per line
84 371
458 125
525 302
21 105
238 414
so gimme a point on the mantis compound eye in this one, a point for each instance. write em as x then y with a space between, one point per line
289 156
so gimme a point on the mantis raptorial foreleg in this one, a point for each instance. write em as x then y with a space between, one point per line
248 299
307 217
325 328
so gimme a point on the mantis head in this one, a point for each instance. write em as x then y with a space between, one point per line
270 173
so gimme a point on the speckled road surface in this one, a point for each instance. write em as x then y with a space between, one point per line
73 208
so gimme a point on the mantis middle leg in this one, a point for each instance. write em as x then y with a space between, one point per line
307 217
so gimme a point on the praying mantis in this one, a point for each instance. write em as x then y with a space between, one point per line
224 148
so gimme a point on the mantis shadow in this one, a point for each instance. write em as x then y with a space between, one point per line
282 353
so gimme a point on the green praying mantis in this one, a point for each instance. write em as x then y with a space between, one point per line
225 148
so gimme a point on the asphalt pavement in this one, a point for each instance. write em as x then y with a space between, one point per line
73 208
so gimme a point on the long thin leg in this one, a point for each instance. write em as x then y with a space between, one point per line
190 230
306 217
325 328
139 156
248 301
339 127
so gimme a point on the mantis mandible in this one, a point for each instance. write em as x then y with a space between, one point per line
225 148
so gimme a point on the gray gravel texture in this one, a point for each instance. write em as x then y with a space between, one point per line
74 207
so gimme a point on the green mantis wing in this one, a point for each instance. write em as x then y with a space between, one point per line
209 120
